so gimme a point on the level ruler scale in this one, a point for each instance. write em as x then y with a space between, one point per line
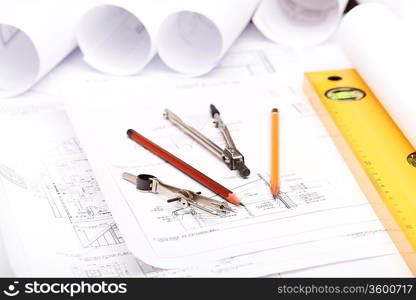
381 158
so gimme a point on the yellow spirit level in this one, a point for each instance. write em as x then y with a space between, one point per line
381 158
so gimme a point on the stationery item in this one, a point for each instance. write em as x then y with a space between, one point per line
275 165
299 22
118 37
35 36
193 39
184 167
185 198
381 47
376 150
229 155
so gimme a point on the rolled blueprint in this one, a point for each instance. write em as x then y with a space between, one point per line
299 22
34 37
118 37
405 9
397 6
382 48
192 40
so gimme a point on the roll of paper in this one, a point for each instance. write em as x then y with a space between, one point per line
397 6
34 37
382 48
404 9
118 37
299 22
193 39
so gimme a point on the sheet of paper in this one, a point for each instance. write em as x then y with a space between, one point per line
194 38
56 222
299 22
382 266
34 37
119 37
388 63
54 219
158 236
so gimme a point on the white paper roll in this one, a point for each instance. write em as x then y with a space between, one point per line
299 22
34 37
382 49
194 39
118 37
397 6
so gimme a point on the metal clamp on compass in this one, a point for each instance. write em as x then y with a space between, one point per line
184 197
230 155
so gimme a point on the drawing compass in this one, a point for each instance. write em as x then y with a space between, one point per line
186 198
230 155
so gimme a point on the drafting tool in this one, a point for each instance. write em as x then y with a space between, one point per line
184 167
377 152
230 155
274 173
185 198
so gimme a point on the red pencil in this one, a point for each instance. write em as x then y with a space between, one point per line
184 167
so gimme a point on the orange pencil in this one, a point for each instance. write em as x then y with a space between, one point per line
275 176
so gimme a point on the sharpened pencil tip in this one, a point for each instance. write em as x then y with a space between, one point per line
232 198
274 189
275 110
